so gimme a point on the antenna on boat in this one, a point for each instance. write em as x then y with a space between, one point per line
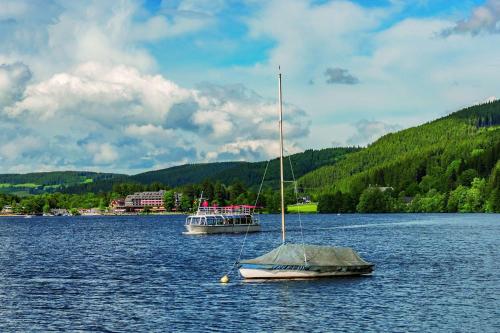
282 189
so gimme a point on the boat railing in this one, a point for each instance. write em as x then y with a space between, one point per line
225 210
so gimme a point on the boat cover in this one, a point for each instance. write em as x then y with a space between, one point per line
293 255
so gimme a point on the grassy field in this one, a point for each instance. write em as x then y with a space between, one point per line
26 185
303 208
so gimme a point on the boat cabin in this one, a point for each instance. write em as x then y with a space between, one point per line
228 215
220 219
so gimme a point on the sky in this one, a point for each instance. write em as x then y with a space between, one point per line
129 86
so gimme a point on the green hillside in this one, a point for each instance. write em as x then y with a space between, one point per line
440 155
250 173
40 182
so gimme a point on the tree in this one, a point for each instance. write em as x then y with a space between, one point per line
235 190
102 205
326 203
457 198
273 200
208 190
219 194
431 202
475 197
46 208
493 205
332 203
467 177
169 200
186 203
373 200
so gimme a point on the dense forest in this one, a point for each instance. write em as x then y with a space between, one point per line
447 165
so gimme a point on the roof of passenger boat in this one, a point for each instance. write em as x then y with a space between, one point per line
226 211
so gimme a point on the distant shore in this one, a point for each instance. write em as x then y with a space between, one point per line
105 214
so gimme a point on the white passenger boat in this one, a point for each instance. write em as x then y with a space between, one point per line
298 261
216 220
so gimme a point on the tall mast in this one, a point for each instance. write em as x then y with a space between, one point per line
282 188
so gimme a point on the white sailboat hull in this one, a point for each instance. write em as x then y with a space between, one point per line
193 229
249 273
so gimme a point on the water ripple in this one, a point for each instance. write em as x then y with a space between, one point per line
434 272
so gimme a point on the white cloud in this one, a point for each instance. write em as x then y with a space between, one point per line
15 148
102 153
252 150
13 80
118 118
369 131
103 93
485 18
51 36
311 35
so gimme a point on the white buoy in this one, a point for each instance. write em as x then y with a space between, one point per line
224 279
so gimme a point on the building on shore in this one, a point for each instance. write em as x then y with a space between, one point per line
59 212
117 203
7 209
138 201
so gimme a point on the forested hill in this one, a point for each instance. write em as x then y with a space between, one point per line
38 182
249 173
440 155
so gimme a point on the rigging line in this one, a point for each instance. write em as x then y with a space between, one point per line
298 209
248 226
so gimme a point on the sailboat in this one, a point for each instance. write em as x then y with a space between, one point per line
297 261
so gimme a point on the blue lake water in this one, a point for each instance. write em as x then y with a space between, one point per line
115 274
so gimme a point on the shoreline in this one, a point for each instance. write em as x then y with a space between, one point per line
130 214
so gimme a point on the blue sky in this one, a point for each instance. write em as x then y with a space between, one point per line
128 86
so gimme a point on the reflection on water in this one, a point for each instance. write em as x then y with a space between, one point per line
433 273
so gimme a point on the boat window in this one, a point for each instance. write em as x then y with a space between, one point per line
211 220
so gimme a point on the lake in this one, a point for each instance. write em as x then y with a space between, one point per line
434 272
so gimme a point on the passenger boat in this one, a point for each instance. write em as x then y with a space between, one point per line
298 261
216 220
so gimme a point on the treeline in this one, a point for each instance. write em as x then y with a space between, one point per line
236 193
216 193
44 203
480 196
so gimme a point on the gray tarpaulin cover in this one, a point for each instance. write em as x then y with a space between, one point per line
293 254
